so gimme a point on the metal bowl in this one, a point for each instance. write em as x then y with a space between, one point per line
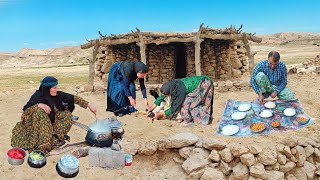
65 169
13 161
37 163
258 131
275 126
302 119
66 175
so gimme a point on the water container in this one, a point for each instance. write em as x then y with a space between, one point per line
128 160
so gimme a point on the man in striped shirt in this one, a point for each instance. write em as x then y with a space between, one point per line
269 78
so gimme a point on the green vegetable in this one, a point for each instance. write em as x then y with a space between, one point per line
36 155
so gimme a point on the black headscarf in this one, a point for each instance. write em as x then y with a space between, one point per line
42 95
131 68
177 90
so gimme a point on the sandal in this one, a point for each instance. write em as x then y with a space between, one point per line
184 124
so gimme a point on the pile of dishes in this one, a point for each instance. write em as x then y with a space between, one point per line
68 166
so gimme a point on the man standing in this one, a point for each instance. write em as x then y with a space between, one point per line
269 78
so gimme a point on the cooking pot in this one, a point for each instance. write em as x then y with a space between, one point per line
101 133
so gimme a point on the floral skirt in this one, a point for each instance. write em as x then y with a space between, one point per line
198 105
36 132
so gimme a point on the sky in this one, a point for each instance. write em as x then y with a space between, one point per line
42 24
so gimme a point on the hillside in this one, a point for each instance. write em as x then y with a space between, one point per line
52 56
285 37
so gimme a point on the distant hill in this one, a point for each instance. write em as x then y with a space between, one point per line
52 56
284 37
66 51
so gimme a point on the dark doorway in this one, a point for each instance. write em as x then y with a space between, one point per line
181 63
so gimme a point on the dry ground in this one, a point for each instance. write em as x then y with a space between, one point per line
17 85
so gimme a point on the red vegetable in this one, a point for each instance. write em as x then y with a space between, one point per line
16 154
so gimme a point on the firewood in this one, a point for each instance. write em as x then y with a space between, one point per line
83 152
67 148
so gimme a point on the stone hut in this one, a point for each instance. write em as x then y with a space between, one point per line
221 54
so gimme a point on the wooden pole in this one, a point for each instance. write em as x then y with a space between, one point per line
250 55
197 47
92 62
142 46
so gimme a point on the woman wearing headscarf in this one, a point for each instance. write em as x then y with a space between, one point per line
46 118
192 97
121 94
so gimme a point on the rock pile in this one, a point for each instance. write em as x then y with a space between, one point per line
313 62
208 158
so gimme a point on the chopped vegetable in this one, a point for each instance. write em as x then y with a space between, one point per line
275 123
301 118
258 126
15 154
36 155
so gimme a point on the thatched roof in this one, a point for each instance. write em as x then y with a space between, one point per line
166 37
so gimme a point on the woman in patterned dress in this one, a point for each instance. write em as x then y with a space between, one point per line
46 118
192 97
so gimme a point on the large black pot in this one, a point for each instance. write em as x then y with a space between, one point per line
111 130
100 139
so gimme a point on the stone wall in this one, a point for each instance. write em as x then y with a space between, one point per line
220 59
239 59
161 61
312 62
190 58
294 158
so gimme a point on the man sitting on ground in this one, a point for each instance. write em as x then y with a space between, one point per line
269 78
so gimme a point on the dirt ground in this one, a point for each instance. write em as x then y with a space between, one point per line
17 85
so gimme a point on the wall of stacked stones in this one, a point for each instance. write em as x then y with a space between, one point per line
220 60
110 54
161 61
214 57
238 59
294 158
190 58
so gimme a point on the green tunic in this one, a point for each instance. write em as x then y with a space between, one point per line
191 84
